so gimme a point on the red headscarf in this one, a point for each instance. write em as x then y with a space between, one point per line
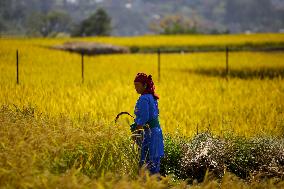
144 79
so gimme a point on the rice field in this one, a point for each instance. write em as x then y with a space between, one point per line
57 131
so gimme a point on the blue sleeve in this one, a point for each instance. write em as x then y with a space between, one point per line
142 112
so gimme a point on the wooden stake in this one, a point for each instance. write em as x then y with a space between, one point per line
82 61
227 62
159 65
17 65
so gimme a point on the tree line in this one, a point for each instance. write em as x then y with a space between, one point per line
77 17
37 18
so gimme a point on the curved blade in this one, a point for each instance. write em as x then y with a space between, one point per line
122 113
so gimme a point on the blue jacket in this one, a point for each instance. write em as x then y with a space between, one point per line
146 109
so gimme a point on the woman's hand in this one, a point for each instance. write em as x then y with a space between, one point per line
139 127
134 127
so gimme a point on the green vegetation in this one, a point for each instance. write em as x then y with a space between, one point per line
142 17
98 24
191 159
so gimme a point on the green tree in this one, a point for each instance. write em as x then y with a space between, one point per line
98 24
175 24
58 21
54 22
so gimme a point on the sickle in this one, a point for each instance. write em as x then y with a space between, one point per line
121 113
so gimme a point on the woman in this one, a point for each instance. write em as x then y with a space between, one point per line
147 117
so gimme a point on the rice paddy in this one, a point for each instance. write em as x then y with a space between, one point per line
58 131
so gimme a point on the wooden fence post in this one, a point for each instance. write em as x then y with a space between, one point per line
17 65
82 62
159 65
227 62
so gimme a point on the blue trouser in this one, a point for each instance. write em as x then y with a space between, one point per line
149 154
152 165
152 147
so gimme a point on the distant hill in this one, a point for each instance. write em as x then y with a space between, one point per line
137 17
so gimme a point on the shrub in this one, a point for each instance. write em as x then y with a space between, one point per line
246 158
170 164
203 153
